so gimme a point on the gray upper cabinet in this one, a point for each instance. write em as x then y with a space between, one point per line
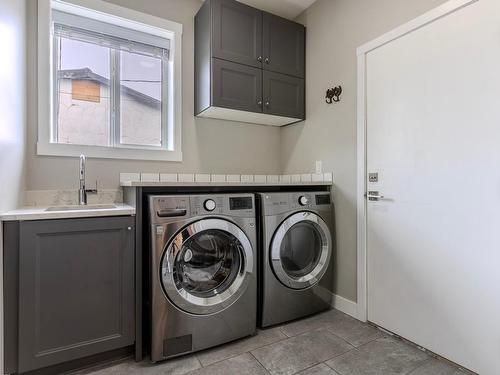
76 289
235 45
237 32
237 86
283 46
283 95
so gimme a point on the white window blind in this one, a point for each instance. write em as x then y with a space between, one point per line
87 30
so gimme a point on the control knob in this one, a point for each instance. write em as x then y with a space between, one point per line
303 200
209 205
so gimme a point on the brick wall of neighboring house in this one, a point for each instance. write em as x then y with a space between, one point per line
87 121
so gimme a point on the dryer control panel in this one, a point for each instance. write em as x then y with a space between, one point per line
278 203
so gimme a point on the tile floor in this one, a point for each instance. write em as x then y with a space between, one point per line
330 343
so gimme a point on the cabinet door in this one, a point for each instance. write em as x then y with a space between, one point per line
284 95
76 289
236 86
284 46
236 32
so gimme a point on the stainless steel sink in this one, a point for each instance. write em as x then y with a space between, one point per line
82 207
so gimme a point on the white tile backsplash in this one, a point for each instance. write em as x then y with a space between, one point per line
150 177
185 177
285 178
202 177
168 177
233 178
218 178
247 178
317 177
272 178
229 178
130 177
305 177
260 178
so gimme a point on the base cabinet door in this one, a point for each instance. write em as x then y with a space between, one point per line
236 86
76 289
283 95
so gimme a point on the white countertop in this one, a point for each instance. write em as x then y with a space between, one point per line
39 213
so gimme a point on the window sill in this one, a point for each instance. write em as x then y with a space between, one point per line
57 149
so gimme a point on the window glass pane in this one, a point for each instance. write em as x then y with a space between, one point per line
140 99
83 76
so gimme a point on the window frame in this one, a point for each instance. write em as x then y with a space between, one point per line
172 98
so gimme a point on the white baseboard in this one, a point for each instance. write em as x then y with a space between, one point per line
345 305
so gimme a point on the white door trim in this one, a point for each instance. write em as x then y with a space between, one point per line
419 22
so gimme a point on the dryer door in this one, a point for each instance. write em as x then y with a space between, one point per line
301 250
206 266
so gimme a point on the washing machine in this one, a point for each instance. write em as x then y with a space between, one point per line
203 278
296 264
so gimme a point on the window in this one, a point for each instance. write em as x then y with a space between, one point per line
114 81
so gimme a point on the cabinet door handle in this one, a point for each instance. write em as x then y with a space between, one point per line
267 60
259 59
259 103
267 103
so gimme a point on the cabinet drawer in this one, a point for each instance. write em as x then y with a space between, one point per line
76 289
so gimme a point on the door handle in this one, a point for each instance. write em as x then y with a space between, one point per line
374 196
267 60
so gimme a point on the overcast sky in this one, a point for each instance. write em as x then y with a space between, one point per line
136 70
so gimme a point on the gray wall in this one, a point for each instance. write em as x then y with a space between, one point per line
207 145
335 28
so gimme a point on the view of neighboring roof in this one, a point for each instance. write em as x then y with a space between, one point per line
88 74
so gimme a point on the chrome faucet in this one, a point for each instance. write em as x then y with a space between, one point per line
82 192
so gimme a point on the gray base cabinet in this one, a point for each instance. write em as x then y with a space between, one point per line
76 289
249 65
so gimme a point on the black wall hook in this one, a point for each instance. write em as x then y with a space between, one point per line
333 94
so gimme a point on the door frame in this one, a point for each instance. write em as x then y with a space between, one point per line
361 210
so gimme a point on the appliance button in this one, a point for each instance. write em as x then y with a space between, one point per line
303 201
209 205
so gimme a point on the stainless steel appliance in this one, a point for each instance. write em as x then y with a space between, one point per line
296 262
203 275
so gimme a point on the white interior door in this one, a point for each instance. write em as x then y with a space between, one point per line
433 137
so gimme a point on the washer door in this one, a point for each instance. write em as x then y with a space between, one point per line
301 250
206 266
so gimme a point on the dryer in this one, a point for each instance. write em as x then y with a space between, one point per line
203 271
296 255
